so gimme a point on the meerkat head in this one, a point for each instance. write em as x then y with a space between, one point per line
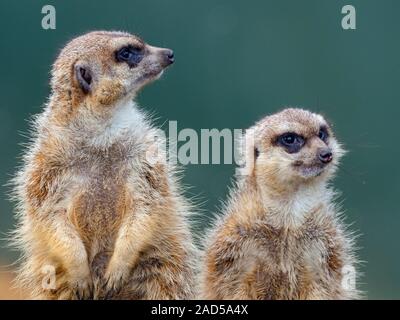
100 68
292 147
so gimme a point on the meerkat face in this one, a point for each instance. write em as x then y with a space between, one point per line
139 63
100 68
294 146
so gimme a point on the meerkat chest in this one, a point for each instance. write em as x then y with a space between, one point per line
304 260
293 254
297 260
98 202
99 194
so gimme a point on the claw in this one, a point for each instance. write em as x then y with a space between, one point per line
113 283
83 289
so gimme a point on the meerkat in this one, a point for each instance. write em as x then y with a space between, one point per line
280 235
92 203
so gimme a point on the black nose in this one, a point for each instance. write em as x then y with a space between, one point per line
325 156
169 55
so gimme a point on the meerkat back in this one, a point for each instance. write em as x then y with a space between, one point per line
99 215
280 235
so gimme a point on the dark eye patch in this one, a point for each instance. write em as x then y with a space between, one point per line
323 133
132 55
292 142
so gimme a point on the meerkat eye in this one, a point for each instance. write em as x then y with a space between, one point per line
129 54
292 142
289 139
323 134
124 54
256 153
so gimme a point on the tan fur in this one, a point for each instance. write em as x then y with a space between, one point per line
280 236
91 204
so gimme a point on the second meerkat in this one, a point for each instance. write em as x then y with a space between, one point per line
92 203
280 236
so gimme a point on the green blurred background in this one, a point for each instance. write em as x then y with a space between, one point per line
237 61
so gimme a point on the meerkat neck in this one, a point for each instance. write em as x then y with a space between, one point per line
121 122
290 209
126 120
286 210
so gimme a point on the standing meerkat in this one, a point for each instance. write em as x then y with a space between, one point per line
92 204
280 236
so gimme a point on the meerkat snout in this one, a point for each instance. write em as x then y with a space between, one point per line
168 57
325 155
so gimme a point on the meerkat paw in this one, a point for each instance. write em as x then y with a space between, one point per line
81 285
115 277
83 289
75 289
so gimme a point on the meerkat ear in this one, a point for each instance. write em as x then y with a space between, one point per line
83 75
249 153
252 152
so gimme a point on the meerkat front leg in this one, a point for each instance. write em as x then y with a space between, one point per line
134 234
66 246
